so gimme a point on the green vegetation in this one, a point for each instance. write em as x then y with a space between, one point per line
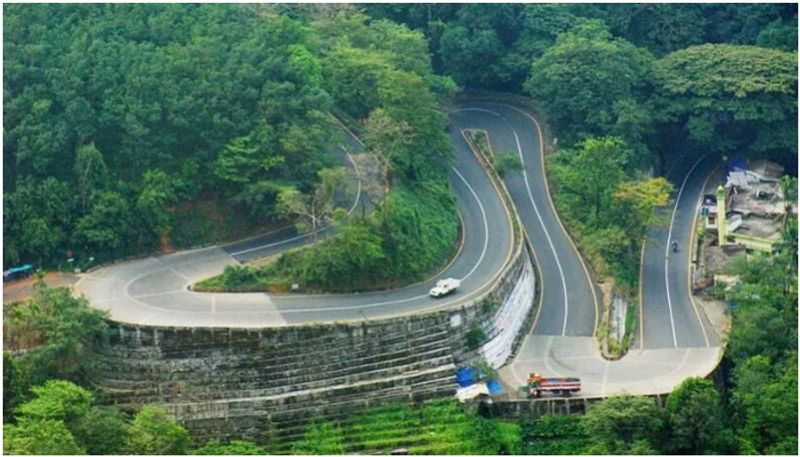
133 128
124 118
607 212
492 46
762 350
413 231
506 163
436 427
731 98
62 418
590 84
55 334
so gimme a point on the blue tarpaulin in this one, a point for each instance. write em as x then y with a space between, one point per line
464 377
494 387
737 163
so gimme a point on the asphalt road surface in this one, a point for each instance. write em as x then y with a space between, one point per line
674 342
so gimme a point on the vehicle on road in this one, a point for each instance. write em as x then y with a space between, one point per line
20 272
559 386
674 246
444 287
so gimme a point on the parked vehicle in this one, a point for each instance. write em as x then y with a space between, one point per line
444 287
17 273
559 386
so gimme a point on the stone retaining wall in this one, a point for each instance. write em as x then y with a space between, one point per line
257 383
534 409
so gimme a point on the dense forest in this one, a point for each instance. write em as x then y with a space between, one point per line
131 128
137 128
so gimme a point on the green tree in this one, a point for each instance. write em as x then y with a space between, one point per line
314 211
153 99
38 218
408 102
731 97
764 404
154 431
779 34
589 177
540 26
153 201
39 437
106 230
352 76
696 420
588 80
66 329
640 200
505 163
42 423
58 400
90 173
472 46
103 430
12 385
624 424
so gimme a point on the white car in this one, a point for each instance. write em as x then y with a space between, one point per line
444 287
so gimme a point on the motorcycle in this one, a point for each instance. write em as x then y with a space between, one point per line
674 246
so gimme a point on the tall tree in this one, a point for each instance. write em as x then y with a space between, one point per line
587 80
90 173
624 424
731 97
590 176
314 211
696 420
65 330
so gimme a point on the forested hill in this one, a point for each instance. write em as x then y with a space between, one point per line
491 45
133 127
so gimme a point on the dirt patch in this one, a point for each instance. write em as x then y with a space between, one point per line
717 313
22 290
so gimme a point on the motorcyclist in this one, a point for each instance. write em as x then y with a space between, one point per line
674 246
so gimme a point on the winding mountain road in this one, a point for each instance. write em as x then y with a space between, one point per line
674 342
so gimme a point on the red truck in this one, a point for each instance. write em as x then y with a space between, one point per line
559 386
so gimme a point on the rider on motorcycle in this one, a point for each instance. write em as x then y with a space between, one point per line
674 246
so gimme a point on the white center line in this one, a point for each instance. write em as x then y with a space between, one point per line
546 234
485 224
669 243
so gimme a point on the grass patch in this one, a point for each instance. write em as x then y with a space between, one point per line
437 427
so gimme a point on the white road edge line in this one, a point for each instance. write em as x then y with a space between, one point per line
482 110
485 224
669 243
546 233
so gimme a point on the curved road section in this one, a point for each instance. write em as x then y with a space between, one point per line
155 290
